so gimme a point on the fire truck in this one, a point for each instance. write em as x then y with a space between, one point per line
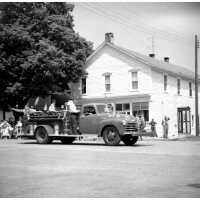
94 119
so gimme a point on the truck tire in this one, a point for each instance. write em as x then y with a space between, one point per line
129 140
111 136
42 137
68 140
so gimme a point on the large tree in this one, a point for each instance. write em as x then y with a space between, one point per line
39 50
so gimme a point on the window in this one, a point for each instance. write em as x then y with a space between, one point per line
165 82
123 108
105 108
134 80
126 106
190 89
118 107
101 108
83 85
87 110
141 108
178 86
107 82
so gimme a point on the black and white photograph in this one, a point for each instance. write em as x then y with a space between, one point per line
99 99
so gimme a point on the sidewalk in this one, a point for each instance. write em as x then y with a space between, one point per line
175 138
186 138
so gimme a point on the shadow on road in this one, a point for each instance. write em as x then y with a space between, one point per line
83 144
194 185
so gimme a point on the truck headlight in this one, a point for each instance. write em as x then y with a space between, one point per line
56 129
124 122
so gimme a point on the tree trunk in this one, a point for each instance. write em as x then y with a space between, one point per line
4 114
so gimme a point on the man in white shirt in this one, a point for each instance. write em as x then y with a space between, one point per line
52 107
71 106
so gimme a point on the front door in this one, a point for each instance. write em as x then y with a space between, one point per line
184 120
88 120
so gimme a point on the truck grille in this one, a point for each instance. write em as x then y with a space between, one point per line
131 126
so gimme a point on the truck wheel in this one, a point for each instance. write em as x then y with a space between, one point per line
67 140
42 136
129 139
111 136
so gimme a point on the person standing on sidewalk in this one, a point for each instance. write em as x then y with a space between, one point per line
153 127
141 123
165 125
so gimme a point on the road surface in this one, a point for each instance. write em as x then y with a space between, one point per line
91 169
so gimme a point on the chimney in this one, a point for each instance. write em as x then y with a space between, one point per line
152 55
166 59
109 37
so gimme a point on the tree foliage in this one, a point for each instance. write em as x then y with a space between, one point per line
39 50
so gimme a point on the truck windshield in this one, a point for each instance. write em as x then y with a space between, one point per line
103 108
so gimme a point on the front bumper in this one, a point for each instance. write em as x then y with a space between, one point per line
139 133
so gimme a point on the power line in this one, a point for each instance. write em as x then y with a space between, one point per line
113 19
146 29
119 19
138 18
130 29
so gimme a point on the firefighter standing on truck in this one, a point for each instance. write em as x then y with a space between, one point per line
71 107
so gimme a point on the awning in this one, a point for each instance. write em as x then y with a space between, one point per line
117 99
140 106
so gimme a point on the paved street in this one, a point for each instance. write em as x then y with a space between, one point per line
91 169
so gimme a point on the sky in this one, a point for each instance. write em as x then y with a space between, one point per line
167 29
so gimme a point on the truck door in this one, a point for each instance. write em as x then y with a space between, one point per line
89 120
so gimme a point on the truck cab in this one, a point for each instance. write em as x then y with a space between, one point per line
99 119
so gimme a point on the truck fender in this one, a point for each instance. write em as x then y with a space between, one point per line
105 124
48 128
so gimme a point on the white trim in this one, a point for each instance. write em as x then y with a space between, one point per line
107 74
95 52
134 70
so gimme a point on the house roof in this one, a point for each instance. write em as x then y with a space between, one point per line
155 64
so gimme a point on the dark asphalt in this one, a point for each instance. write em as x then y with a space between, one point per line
149 169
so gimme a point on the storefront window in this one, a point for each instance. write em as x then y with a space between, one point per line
123 108
141 108
118 107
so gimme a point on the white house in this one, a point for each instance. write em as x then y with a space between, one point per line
134 83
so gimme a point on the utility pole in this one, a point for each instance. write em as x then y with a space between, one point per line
196 85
